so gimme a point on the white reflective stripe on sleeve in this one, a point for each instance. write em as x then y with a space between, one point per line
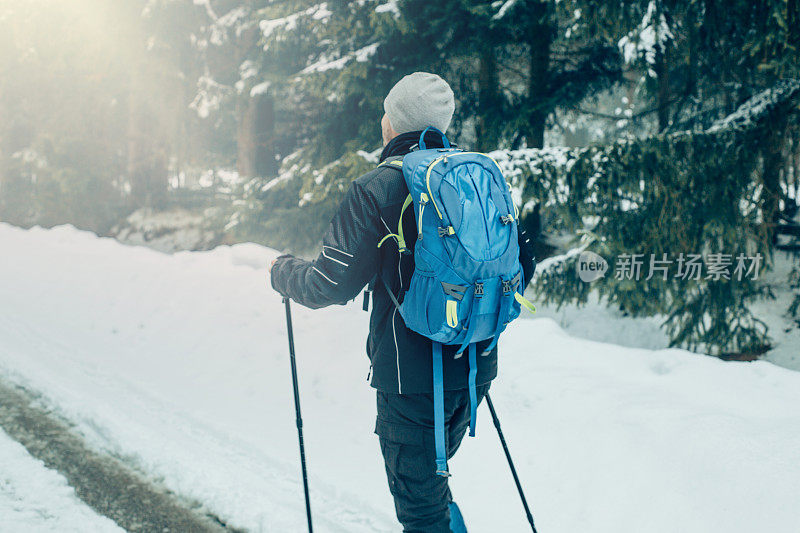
334 259
324 276
335 250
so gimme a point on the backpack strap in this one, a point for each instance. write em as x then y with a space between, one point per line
391 294
505 309
396 163
473 393
478 293
368 290
472 359
401 241
438 411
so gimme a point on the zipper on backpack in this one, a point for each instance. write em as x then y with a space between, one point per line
423 200
428 183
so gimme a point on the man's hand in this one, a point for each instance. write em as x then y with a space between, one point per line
269 272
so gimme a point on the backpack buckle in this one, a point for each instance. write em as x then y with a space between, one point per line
444 232
478 290
506 219
506 287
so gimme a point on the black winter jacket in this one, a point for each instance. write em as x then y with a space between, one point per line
350 259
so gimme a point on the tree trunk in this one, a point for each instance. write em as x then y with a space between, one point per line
147 155
256 137
539 41
793 23
487 127
773 157
661 68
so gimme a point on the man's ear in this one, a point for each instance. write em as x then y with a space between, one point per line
387 131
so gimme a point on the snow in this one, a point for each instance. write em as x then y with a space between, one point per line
261 88
555 162
35 499
236 18
756 107
323 64
166 231
363 54
270 184
389 7
370 157
513 163
209 10
307 196
784 330
504 8
288 23
597 321
232 17
247 70
209 96
179 363
649 37
31 157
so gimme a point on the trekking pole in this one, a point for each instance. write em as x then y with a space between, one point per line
286 303
510 462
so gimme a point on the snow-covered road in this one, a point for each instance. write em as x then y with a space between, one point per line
179 364
132 500
35 499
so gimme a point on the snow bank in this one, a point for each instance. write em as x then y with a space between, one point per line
180 364
36 499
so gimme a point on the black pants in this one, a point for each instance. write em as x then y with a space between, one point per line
405 429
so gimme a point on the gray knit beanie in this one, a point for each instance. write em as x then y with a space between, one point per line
420 100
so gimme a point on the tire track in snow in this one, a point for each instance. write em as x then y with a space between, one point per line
105 483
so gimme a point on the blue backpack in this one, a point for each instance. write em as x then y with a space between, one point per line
467 280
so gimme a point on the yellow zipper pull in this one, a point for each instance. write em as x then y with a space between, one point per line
423 200
452 313
524 302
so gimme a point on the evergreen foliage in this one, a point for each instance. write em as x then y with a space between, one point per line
679 193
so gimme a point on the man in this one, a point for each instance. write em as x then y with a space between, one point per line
401 366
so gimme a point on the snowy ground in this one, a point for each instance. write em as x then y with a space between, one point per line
35 499
179 363
599 322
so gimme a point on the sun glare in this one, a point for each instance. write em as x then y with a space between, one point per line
69 28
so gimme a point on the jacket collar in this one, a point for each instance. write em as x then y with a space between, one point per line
407 142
